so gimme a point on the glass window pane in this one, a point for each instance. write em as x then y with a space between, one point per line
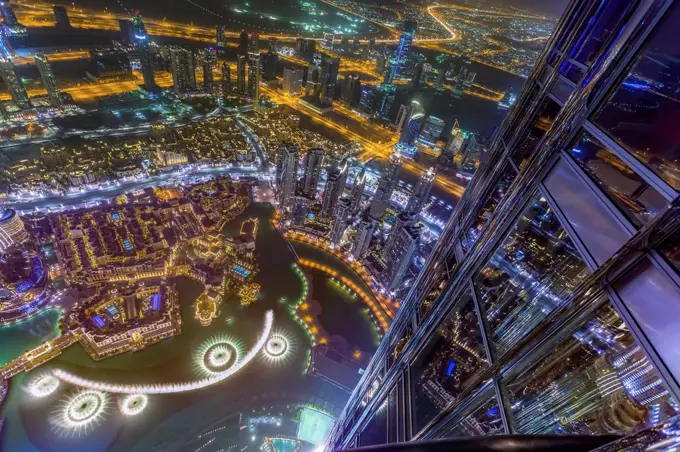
529 275
603 27
562 89
671 249
392 416
484 215
483 420
572 72
376 430
643 113
541 123
635 197
597 380
449 363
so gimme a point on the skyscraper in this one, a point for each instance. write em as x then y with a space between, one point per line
226 80
220 39
254 44
268 62
335 186
327 42
182 68
328 82
300 208
127 34
141 42
398 260
431 130
254 76
271 44
351 90
243 43
286 175
357 192
538 310
13 83
61 16
408 32
402 220
365 231
421 194
241 75
47 76
386 184
418 74
313 165
340 217
209 60
292 81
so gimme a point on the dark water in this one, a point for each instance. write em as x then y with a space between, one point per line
177 418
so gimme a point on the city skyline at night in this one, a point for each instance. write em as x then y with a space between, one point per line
322 225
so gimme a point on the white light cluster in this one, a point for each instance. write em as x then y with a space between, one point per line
81 411
43 385
278 347
215 354
133 404
170 388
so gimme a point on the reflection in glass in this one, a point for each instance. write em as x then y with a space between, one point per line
483 421
438 277
625 188
562 89
644 112
376 430
601 30
392 416
541 124
595 381
529 275
485 214
671 250
449 363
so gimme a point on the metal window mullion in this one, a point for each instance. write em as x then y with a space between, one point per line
481 320
649 176
506 415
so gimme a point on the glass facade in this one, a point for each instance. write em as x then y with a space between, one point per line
568 317
596 380
628 190
449 363
642 115
529 276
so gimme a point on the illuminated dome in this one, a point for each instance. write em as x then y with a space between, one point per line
11 229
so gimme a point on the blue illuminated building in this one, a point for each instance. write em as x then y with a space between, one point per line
405 41
146 57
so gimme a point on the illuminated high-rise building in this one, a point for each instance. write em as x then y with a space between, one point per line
335 187
243 43
313 166
254 76
357 193
127 33
220 39
226 80
209 60
403 117
418 74
549 303
327 42
286 175
61 16
386 184
403 220
182 68
408 32
48 79
300 208
431 131
398 259
340 217
364 235
241 75
328 81
141 42
254 44
292 81
421 194
13 83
